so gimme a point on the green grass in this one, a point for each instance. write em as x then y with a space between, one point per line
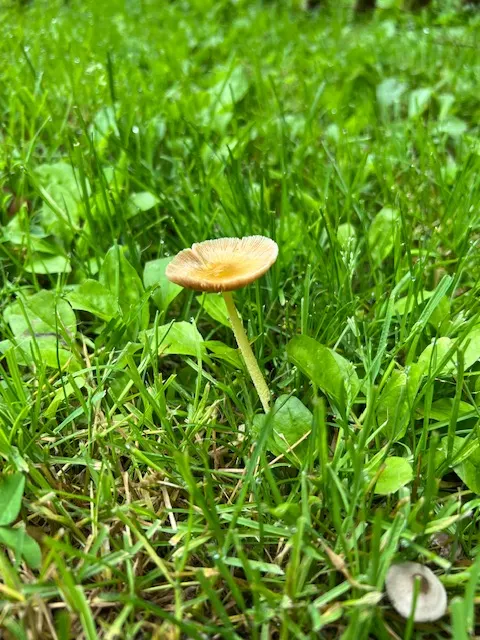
164 503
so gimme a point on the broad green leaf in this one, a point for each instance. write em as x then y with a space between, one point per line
43 325
467 465
332 132
224 352
389 92
104 124
55 356
440 314
43 313
446 102
59 174
290 509
121 279
333 374
434 302
45 265
94 297
154 276
418 101
11 492
382 233
434 354
25 546
413 302
463 449
449 170
215 306
396 474
441 410
8 346
179 338
53 311
469 472
454 127
22 232
392 408
142 201
63 393
45 350
231 88
60 213
291 422
396 400
472 347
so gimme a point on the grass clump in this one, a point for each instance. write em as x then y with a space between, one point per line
144 493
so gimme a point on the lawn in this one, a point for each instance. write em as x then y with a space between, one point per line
144 493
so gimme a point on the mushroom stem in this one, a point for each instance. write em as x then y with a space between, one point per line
244 345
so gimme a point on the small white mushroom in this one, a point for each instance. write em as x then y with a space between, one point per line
431 599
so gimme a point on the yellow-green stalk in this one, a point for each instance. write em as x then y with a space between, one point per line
247 353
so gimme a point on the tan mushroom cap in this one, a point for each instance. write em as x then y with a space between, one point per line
432 597
224 264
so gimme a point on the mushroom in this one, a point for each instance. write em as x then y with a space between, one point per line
431 601
223 265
